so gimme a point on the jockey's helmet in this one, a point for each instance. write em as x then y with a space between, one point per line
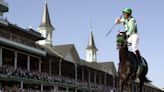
127 10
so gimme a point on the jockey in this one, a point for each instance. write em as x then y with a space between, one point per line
130 26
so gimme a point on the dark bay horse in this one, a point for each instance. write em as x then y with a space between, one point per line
128 65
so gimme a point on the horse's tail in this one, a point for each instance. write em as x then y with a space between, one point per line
147 80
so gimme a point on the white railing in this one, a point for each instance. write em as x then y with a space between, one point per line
2 2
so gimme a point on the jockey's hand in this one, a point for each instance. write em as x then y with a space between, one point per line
128 36
117 20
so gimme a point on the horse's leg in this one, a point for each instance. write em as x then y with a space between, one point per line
121 85
141 84
130 87
142 79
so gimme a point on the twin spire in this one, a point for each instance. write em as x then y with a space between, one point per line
46 29
46 22
91 43
91 55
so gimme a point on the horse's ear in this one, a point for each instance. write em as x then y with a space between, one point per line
118 32
121 33
124 34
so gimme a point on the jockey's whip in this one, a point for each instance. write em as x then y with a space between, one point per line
110 30
112 27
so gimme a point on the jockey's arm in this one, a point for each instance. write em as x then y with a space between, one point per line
119 20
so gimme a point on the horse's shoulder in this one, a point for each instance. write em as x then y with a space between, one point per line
132 54
132 57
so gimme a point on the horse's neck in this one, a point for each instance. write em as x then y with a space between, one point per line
123 55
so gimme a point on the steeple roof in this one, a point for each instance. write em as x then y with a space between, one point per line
46 22
91 43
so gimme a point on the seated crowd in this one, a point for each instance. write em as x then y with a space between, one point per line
10 71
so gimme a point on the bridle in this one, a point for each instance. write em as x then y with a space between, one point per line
122 40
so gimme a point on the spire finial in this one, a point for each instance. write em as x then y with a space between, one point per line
45 1
91 24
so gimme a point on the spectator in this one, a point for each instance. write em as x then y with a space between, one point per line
0 88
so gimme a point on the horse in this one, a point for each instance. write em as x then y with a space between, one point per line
128 65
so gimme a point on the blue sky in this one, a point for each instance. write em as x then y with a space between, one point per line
71 18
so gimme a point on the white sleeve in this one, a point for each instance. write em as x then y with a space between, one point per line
122 20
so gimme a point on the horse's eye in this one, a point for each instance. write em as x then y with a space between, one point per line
121 41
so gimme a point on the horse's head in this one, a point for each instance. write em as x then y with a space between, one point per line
121 40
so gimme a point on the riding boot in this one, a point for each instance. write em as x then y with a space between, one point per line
138 56
139 70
